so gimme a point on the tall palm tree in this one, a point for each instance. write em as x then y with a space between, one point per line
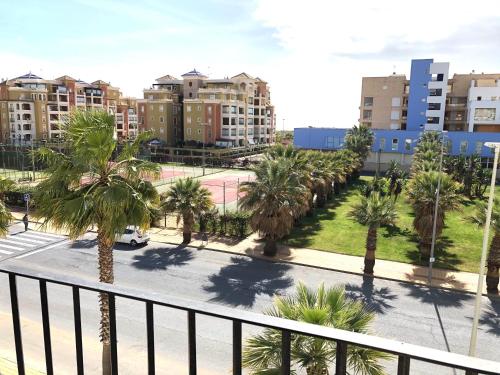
327 307
359 139
87 187
493 273
274 199
422 195
373 211
189 199
5 216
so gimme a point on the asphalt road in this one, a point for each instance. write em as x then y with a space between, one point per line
440 319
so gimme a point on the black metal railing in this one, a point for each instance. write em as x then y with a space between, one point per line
405 353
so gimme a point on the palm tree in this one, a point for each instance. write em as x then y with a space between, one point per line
359 139
328 307
189 199
422 195
397 178
373 211
87 187
275 198
492 275
5 215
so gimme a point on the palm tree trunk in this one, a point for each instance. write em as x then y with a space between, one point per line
270 248
317 370
371 246
187 228
105 251
492 275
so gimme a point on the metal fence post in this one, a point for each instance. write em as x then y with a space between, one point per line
224 197
238 195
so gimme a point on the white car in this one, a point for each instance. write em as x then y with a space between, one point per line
133 236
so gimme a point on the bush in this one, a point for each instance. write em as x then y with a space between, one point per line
233 223
15 196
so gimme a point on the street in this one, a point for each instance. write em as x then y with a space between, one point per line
440 319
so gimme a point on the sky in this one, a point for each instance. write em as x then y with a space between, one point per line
312 53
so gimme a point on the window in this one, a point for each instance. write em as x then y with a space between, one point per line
225 109
225 121
433 120
479 148
233 121
241 121
485 114
367 114
241 110
198 119
198 108
188 108
434 106
233 109
161 108
463 147
250 121
199 131
212 97
162 130
175 120
161 119
225 132
209 109
368 101
395 144
233 132
381 144
329 142
188 119
408 144
209 121
396 102
190 84
394 115
190 94
188 131
479 98
435 92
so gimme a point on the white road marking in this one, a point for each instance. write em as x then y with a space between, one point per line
30 238
16 242
45 234
6 252
17 248
45 248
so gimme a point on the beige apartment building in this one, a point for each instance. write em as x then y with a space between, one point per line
34 108
470 103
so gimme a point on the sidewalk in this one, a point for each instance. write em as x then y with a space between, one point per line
251 246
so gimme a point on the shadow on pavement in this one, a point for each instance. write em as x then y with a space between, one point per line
239 283
83 244
377 299
438 297
491 317
163 258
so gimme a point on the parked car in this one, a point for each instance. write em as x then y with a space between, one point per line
133 236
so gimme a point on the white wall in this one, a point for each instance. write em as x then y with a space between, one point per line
486 94
438 68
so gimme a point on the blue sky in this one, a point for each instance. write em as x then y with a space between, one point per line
313 53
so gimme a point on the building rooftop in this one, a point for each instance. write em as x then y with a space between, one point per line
29 76
194 73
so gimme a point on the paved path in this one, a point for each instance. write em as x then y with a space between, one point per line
437 318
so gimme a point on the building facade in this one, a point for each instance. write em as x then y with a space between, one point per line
34 108
466 107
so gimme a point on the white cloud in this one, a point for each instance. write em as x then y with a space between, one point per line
330 45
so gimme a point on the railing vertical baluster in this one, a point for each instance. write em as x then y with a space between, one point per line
112 334
403 365
16 323
341 358
286 360
46 327
151 337
192 342
78 330
236 347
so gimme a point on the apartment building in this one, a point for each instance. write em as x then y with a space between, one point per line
429 100
34 108
233 111
161 110
126 118
466 106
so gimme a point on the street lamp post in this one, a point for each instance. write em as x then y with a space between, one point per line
436 208
482 265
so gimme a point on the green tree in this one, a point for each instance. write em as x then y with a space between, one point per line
397 177
327 307
422 195
274 199
359 139
492 275
190 200
87 186
373 211
5 215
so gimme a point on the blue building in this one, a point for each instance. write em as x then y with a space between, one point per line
466 107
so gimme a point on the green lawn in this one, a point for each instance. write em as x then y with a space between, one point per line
330 229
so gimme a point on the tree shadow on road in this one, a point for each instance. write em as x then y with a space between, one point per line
491 317
84 244
239 283
437 296
377 299
163 258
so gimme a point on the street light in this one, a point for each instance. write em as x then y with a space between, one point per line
436 208
482 265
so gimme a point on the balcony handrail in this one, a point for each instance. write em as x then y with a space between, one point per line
401 349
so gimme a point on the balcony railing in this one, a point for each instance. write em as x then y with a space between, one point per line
405 353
